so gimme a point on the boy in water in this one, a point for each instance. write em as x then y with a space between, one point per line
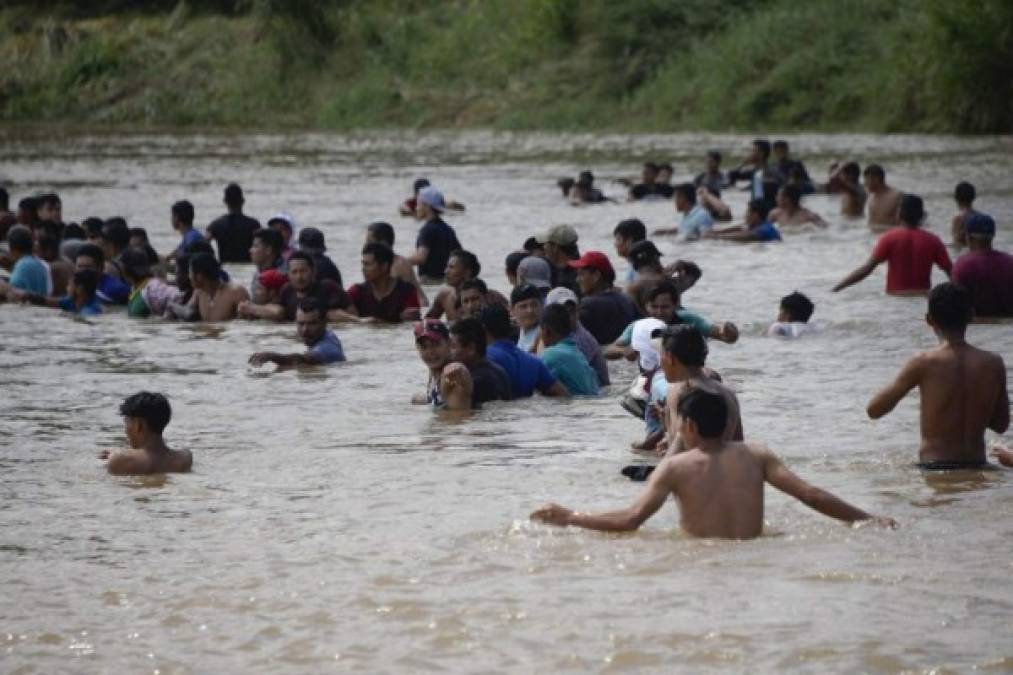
793 319
963 389
718 483
145 416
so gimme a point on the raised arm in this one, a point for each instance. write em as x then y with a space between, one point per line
624 520
865 270
888 397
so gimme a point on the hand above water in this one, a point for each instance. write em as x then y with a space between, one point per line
553 514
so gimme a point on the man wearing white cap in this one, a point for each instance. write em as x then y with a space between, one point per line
436 240
585 341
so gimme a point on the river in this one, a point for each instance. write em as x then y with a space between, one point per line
330 526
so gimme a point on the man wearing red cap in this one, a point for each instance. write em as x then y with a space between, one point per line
604 310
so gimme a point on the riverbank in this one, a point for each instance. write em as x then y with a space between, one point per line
636 66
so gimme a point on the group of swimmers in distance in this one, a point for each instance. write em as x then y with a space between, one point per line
567 314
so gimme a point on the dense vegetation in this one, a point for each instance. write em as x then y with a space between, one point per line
636 65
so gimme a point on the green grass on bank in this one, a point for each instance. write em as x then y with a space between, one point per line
635 65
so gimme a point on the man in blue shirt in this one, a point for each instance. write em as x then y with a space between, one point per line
562 356
526 372
696 219
757 227
29 275
110 289
311 324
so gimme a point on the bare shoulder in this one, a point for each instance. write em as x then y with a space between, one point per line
183 460
128 464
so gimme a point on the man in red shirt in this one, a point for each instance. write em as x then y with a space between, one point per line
909 252
381 296
986 273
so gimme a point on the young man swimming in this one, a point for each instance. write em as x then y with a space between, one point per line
145 416
718 484
963 388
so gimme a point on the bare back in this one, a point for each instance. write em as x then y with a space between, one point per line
884 206
963 390
223 304
143 462
720 493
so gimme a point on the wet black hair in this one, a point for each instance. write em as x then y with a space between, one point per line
205 264
271 239
964 193
496 321
708 411
470 333
153 408
116 232
382 231
469 259
474 283
632 229
94 252
135 264
381 253
201 246
47 199
420 184
715 155
666 287
875 170
793 193
912 210
524 292
763 146
686 343
778 144
687 190
950 306
73 231
92 226
86 280
852 170
304 256
49 244
585 179
311 304
28 204
761 207
19 238
184 211
513 261
531 244
798 307
557 320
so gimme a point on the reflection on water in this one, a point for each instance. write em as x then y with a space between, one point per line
330 525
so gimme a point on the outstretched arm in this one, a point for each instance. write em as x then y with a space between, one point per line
888 397
781 477
624 520
859 274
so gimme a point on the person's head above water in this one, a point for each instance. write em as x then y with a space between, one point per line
182 215
266 247
964 194
496 321
310 321
534 271
789 197
757 212
682 346
204 271
852 171
90 257
233 197
135 265
585 179
472 296
796 308
644 254
649 173
419 185
83 285
462 265
663 301
761 150
912 210
875 177
526 306
115 236
713 160
429 203
703 414
780 148
980 228
557 324
380 232
145 414
594 272
376 262
467 341
950 308
19 240
685 197
301 270
511 263
627 233
432 340
312 240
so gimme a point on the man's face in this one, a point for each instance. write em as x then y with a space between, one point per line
587 279
50 211
527 313
622 245
471 302
872 183
460 352
662 307
137 242
86 262
300 274
310 326
260 254
434 353
423 211
372 270
456 271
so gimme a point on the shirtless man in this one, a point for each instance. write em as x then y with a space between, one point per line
790 212
884 201
718 484
963 389
214 299
145 416
843 180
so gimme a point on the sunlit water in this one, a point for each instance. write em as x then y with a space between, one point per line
331 526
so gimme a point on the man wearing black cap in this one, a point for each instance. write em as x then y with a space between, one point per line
233 231
986 273
311 241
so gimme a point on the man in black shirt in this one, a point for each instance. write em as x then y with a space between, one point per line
648 187
604 310
381 296
311 241
467 345
233 231
436 239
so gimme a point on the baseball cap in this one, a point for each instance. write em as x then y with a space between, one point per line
282 217
561 235
595 260
535 271
311 238
273 279
560 296
432 329
643 252
980 224
642 341
433 198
